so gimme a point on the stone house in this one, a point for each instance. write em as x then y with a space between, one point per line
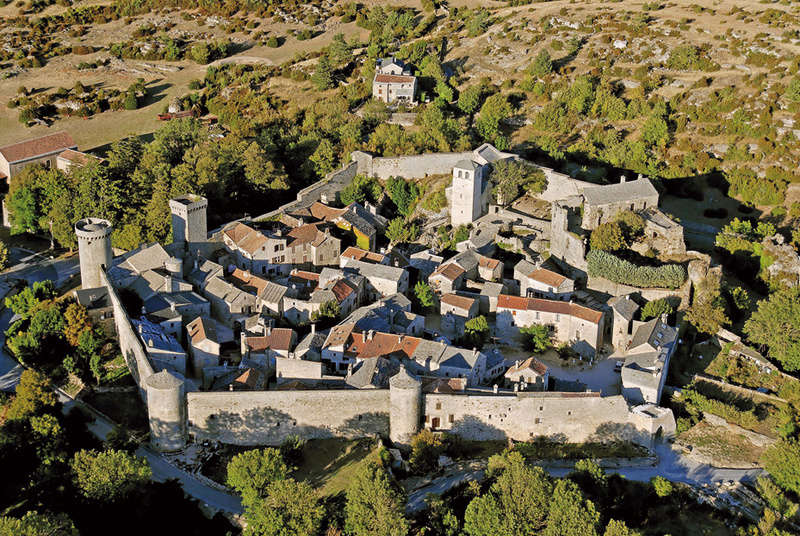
229 304
580 327
662 233
362 255
262 349
381 280
455 311
204 345
391 314
43 150
96 301
393 82
623 310
647 361
363 222
538 282
469 192
447 278
467 265
528 375
163 350
269 295
603 203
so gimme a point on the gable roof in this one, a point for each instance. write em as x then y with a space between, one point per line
467 164
449 271
394 79
359 254
529 364
462 302
620 192
248 282
624 306
78 158
201 329
26 150
549 306
548 277
276 339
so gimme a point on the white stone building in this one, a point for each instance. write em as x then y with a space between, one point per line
537 282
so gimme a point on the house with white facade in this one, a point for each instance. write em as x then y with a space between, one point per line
381 280
647 361
579 326
204 345
538 282
528 375
455 311
393 82
163 349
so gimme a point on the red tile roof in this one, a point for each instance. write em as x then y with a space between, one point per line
486 262
341 290
278 339
394 79
78 158
548 277
248 282
304 234
25 150
450 271
549 306
531 363
381 344
462 302
362 254
323 212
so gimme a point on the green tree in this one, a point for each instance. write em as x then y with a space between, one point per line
403 194
251 472
776 325
607 237
661 485
34 394
632 224
36 524
476 330
329 309
542 65
516 503
495 109
375 504
324 157
619 528
512 177
793 90
655 131
656 308
23 209
108 476
399 231
571 514
782 462
426 447
470 99
290 508
323 75
424 294
131 101
76 322
537 338
3 255
201 53
360 190
339 50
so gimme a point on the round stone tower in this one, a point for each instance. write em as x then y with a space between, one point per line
94 249
165 409
405 407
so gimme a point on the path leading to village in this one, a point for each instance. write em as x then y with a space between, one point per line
672 465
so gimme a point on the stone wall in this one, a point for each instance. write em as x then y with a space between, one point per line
567 416
129 343
603 285
269 417
409 167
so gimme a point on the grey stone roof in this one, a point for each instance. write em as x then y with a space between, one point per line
624 306
312 341
273 292
467 164
490 153
373 373
93 298
620 193
651 335
404 380
492 289
372 270
205 270
525 267
164 380
383 316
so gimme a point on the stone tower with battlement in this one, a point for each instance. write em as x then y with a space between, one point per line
405 407
165 408
467 193
94 249
189 224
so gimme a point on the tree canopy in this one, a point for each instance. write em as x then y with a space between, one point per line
776 325
109 475
375 504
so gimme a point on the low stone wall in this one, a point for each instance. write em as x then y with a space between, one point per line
600 284
129 343
409 167
269 417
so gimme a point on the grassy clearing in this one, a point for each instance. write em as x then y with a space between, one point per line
726 448
329 464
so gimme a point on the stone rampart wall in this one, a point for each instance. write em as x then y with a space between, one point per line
269 417
575 417
601 284
129 343
410 167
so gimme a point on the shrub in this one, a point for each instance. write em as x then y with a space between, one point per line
273 42
656 308
611 267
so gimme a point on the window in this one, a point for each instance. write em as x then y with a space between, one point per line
537 315
541 408
537 420
451 419
438 405
558 317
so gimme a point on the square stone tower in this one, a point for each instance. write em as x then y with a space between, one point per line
189 219
466 203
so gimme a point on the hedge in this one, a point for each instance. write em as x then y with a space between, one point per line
611 267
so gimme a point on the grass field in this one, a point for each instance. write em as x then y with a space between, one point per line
726 448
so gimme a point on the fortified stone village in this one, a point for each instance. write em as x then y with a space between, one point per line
228 346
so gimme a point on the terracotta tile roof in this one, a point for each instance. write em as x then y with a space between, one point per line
305 275
340 334
25 150
249 379
549 306
548 277
394 79
362 254
252 242
444 385
323 212
304 234
238 232
248 282
341 290
462 302
360 345
278 339
201 329
78 158
531 363
486 262
450 271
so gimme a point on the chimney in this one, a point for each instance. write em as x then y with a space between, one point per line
313 329
196 264
349 369
150 343
516 363
494 388
269 330
397 263
230 387
370 334
516 387
140 328
664 318
168 283
622 179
